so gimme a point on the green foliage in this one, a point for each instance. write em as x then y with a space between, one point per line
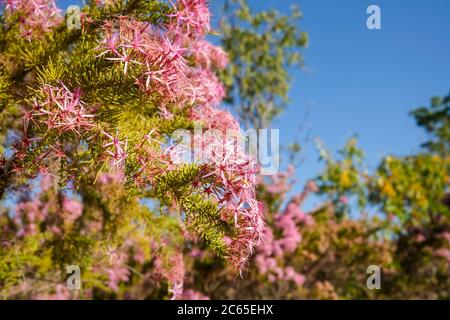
202 215
343 177
436 121
22 260
412 188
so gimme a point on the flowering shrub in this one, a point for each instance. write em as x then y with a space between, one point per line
117 158
97 109
33 17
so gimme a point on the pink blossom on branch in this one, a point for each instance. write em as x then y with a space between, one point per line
115 149
62 111
283 236
175 67
443 253
117 270
205 87
193 295
208 55
190 18
35 16
232 176
135 43
214 118
175 275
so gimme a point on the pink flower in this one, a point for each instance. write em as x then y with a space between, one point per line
160 58
214 118
233 178
208 55
117 270
419 238
271 253
279 183
228 178
299 279
292 275
191 18
343 200
73 209
446 236
62 292
164 113
193 295
36 16
175 276
62 111
113 177
29 215
443 253
195 253
291 237
104 2
205 87
115 149
312 186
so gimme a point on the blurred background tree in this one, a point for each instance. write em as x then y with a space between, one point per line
436 121
262 48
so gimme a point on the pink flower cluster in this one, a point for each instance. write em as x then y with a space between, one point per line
214 118
228 178
190 17
175 275
209 56
283 236
61 111
59 119
446 237
172 269
206 88
175 66
117 270
273 248
280 183
72 209
162 57
35 215
29 215
136 43
61 292
116 150
193 295
35 16
443 253
104 2
113 177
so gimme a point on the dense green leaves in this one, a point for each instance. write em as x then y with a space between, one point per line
436 121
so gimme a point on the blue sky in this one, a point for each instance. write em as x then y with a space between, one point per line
364 82
360 81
